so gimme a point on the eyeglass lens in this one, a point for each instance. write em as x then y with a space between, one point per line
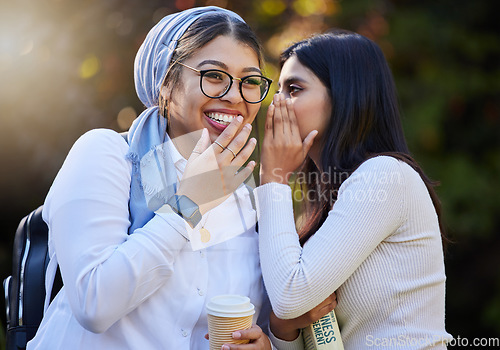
216 83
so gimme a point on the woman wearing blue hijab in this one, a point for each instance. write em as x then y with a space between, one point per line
147 229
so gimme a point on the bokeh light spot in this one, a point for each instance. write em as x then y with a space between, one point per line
307 8
220 3
89 67
184 4
273 7
125 117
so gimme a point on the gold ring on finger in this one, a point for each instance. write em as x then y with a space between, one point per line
218 144
230 150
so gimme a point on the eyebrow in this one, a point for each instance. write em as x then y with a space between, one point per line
222 65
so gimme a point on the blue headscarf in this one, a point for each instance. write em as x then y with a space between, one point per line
147 138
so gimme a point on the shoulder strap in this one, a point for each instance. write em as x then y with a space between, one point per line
25 291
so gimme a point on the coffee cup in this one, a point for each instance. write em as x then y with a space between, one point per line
227 314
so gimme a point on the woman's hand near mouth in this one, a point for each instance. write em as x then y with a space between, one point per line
211 173
283 149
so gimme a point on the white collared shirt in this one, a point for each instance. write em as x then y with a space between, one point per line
147 290
219 230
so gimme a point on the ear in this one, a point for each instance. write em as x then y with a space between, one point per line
165 93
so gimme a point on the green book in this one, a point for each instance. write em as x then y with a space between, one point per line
323 334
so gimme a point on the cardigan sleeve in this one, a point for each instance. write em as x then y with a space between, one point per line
106 272
369 208
279 344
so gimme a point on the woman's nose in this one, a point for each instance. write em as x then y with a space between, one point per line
234 94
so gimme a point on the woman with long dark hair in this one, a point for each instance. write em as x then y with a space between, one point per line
371 230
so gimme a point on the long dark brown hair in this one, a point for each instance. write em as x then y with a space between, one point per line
365 120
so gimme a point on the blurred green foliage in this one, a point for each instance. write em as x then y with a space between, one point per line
67 67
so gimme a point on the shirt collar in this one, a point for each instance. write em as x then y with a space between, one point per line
179 161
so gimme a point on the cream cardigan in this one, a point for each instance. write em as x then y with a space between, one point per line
380 249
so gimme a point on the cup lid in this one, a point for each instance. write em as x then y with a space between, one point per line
230 305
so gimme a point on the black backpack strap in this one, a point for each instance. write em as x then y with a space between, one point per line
26 290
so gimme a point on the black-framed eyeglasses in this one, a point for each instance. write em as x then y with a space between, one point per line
215 83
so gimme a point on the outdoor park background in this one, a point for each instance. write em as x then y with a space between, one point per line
67 67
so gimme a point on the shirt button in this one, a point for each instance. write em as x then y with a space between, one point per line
200 292
184 333
202 253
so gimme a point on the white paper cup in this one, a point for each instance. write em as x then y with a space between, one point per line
226 314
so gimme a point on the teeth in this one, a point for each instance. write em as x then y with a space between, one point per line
224 119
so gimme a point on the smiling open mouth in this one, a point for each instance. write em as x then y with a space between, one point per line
221 118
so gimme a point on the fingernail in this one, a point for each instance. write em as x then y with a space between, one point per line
236 335
239 118
253 140
248 126
225 347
